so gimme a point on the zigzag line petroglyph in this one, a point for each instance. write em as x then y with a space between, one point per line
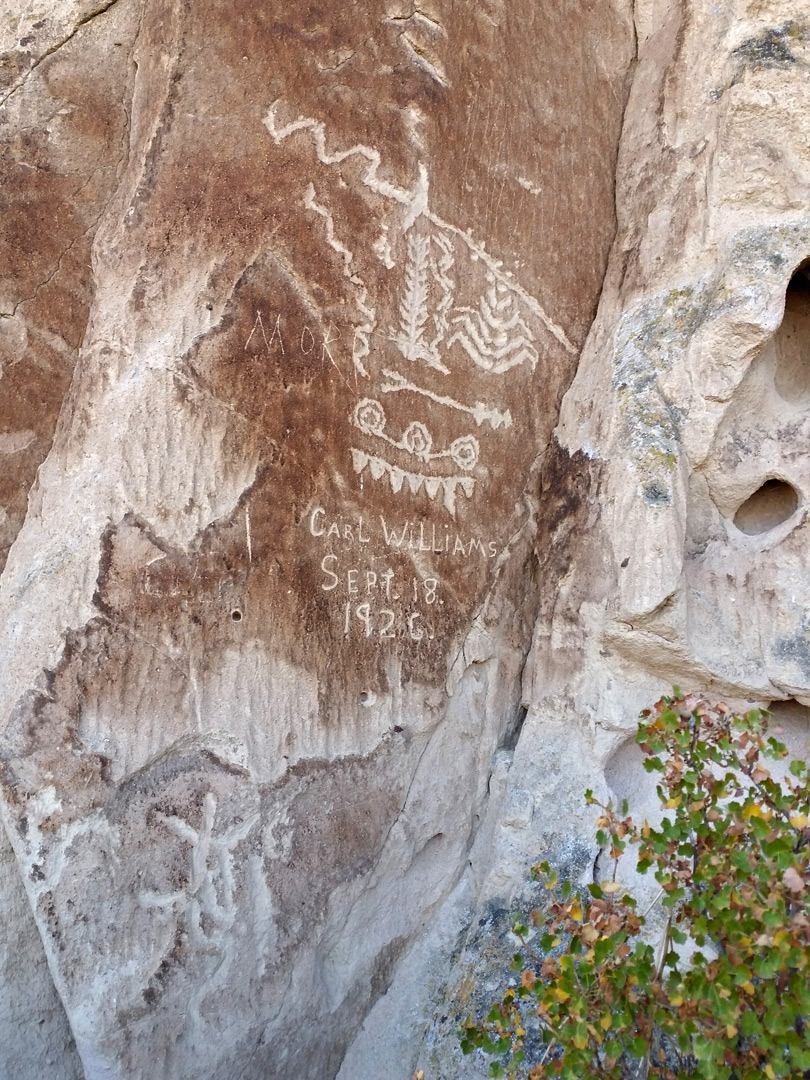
415 200
480 412
446 486
360 346
440 270
317 133
494 336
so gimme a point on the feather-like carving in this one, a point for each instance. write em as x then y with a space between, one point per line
413 309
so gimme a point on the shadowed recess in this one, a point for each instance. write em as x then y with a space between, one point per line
792 376
768 507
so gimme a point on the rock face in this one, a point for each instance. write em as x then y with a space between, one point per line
342 543
690 407
290 301
35 1038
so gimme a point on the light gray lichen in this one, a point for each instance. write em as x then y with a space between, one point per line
654 334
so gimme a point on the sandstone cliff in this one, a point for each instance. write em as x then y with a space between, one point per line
394 399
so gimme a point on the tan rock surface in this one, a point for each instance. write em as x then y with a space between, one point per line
685 562
35 1038
264 624
313 627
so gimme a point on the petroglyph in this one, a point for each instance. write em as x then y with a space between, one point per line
495 336
453 310
416 202
317 132
480 412
369 417
206 901
434 486
413 310
382 249
440 268
360 347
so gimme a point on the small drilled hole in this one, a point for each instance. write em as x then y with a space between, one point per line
768 507
367 697
236 615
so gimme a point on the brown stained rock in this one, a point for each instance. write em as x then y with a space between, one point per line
266 621
63 142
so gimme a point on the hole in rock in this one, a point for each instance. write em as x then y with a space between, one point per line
768 507
367 697
628 779
790 724
792 342
236 615
512 733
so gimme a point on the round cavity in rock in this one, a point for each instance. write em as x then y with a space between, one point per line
768 507
367 697
236 615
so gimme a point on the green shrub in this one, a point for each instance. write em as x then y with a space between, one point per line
726 993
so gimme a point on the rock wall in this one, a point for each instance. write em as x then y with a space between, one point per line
344 537
680 548
290 301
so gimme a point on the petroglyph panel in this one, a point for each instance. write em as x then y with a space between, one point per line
278 568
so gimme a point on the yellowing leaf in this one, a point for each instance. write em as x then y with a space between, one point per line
580 1041
748 987
561 994
768 1070
799 821
576 911
610 887
673 804
731 1031
606 1022
756 811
